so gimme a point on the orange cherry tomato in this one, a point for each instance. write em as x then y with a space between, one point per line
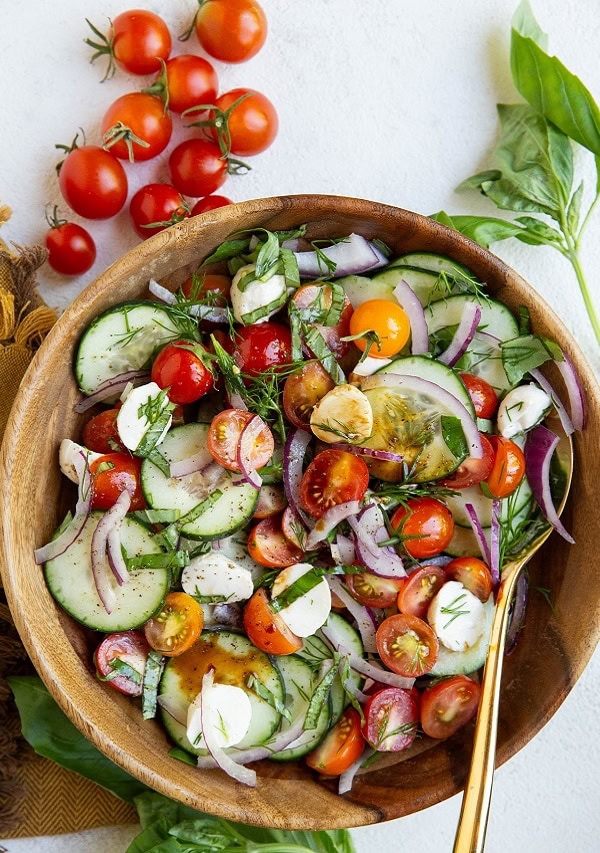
426 526
266 629
508 470
418 589
448 705
224 436
341 747
473 574
407 645
177 626
387 320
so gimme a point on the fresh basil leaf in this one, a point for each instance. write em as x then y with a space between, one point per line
476 182
548 86
268 256
454 436
484 230
227 250
524 353
574 209
537 232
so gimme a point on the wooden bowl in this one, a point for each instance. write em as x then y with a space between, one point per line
554 647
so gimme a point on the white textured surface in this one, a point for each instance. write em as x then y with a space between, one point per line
390 100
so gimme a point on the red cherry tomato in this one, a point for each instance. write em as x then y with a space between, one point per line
407 645
508 469
199 286
269 547
483 396
71 249
310 295
426 526
177 625
472 471
128 647
197 167
418 589
473 574
190 80
391 719
112 474
93 182
224 437
341 747
266 629
155 207
292 527
231 30
137 116
137 41
271 501
182 368
333 477
448 705
303 390
262 346
210 202
251 120
100 433
373 590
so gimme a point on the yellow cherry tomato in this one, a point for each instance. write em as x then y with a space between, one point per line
387 320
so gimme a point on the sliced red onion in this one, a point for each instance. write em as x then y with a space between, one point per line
237 771
409 302
112 388
364 667
228 615
294 452
385 455
164 294
479 533
539 449
495 542
342 550
350 256
464 334
173 708
346 779
201 461
114 552
110 521
359 612
517 616
574 390
567 423
328 521
210 313
440 560
72 531
423 386
247 440
369 529
382 260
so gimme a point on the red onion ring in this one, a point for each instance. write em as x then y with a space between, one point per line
163 293
495 543
247 440
464 334
110 521
385 455
359 612
328 521
201 461
574 390
173 708
479 534
409 302
369 529
342 550
346 779
112 387
539 449
72 531
567 423
350 256
294 452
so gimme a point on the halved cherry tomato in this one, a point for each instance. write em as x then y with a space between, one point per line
266 629
473 574
407 645
210 202
199 286
418 589
252 124
156 206
231 30
292 527
508 470
112 474
387 320
373 590
448 705
128 647
391 719
342 746
271 501
182 368
268 546
483 396
426 526
136 116
472 471
333 477
100 433
319 296
224 437
262 346
303 390
177 626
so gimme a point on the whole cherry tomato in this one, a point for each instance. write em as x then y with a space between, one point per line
210 202
186 81
262 346
231 30
483 396
247 122
71 249
181 367
197 167
136 127
137 41
156 206
100 433
112 474
426 526
93 182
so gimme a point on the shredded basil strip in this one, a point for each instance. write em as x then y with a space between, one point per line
171 560
255 684
297 589
105 466
321 693
157 411
526 352
454 436
119 667
229 249
156 457
317 344
268 256
263 310
182 755
170 534
156 516
289 268
155 663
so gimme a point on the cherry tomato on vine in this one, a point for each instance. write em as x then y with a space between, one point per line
387 320
473 574
155 207
224 437
136 127
391 719
112 474
266 629
137 41
186 81
93 182
418 589
373 590
426 526
210 202
472 471
177 626
231 30
341 747
250 118
483 396
100 432
333 477
269 546
181 367
128 647
262 346
508 469
407 645
71 249
448 705
197 167
303 390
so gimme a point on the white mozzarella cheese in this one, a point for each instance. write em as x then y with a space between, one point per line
257 294
307 613
132 422
214 575
457 616
230 714
344 412
73 458
521 409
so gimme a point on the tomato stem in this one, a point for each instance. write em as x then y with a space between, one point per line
104 47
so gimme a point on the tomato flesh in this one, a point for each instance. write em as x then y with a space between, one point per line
418 589
508 469
224 435
177 626
449 705
333 477
373 590
341 747
391 719
100 433
473 574
266 629
128 647
407 645
112 474
318 295
180 368
472 471
269 547
426 526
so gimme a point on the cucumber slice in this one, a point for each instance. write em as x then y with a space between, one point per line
71 583
464 542
123 338
234 658
431 262
425 285
462 663
511 508
434 371
299 681
359 289
230 512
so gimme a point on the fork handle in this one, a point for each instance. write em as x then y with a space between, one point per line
472 823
